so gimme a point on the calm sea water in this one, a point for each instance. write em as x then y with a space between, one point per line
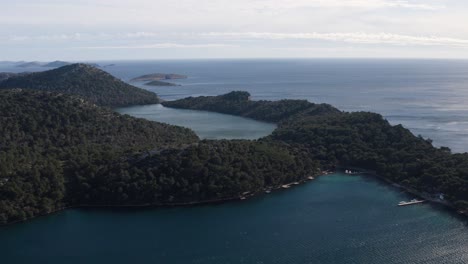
335 219
207 125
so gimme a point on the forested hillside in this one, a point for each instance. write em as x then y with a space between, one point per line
208 171
89 82
47 137
60 150
239 103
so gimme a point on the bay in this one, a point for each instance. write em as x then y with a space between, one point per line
334 219
207 125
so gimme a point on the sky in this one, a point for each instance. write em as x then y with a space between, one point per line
81 30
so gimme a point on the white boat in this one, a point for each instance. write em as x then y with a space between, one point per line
414 201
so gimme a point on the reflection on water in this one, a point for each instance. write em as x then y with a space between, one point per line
207 125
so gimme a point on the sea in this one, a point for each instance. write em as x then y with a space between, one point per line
334 219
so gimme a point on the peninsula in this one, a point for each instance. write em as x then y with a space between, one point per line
59 149
358 139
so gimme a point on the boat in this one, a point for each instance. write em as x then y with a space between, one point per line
267 191
242 198
414 201
285 186
310 178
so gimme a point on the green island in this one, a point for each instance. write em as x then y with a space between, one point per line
61 150
91 83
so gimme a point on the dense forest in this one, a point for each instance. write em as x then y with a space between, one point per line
46 137
358 139
207 171
6 75
239 103
91 83
59 150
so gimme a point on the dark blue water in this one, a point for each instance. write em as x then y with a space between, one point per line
335 219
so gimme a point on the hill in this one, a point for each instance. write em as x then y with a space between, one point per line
205 172
58 151
239 103
47 138
91 83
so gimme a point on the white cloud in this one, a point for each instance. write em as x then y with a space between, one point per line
367 4
162 46
226 39
355 37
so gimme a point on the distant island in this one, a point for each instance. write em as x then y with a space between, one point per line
160 83
53 64
56 64
158 77
29 64
61 149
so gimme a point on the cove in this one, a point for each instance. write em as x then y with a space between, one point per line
207 125
333 219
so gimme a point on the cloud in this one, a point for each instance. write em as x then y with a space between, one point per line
157 40
387 3
355 37
161 46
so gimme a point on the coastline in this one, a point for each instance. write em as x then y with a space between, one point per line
444 203
170 205
263 191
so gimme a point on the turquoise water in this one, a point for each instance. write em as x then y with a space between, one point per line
334 219
207 125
